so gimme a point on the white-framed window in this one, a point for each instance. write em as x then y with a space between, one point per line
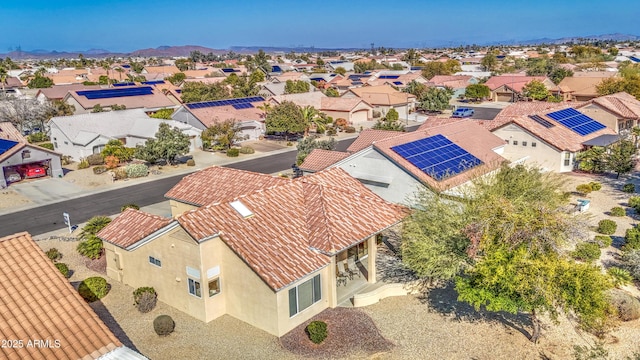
155 261
533 144
524 143
515 142
304 295
194 288
567 159
214 287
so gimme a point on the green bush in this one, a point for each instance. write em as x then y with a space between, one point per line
37 137
331 132
93 226
595 186
119 173
607 227
233 152
129 206
619 277
91 248
100 169
46 145
631 239
634 202
95 159
289 143
587 252
54 254
191 162
628 306
317 331
247 150
64 269
137 170
584 189
83 164
618 211
164 325
603 240
629 188
93 288
145 299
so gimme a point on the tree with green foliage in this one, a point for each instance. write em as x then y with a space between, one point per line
340 70
435 99
415 88
116 148
389 122
620 157
60 108
296 87
331 92
557 74
176 78
260 61
97 108
40 82
223 134
103 80
285 117
168 144
257 76
162 114
535 90
433 68
489 61
197 91
308 144
243 86
592 159
312 118
629 84
477 91
91 245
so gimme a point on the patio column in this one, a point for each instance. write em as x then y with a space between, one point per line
371 259
332 294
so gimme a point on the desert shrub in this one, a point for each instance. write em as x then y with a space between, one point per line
54 254
634 202
83 164
93 226
331 132
100 169
93 288
603 240
629 188
111 162
631 239
119 173
595 186
376 114
91 248
317 331
289 143
349 129
136 170
619 277
129 206
191 162
627 305
584 189
46 145
631 263
618 211
64 269
163 325
95 159
145 299
37 137
233 152
587 252
66 160
607 227
247 150
340 123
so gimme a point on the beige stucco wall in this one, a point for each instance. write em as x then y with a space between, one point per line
603 116
179 208
79 109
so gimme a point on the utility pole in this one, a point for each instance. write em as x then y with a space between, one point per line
372 45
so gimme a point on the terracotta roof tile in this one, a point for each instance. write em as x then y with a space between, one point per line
37 302
214 114
9 132
515 81
581 85
382 95
131 226
320 159
340 104
368 137
622 104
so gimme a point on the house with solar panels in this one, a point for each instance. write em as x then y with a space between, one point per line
548 135
619 111
245 111
383 98
440 156
144 97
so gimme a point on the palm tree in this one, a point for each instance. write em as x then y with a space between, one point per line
311 117
266 107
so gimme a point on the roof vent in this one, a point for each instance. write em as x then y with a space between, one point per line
241 209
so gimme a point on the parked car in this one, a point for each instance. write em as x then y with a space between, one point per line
463 113
12 176
32 171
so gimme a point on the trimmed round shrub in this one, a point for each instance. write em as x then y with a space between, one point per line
629 188
91 248
289 143
349 129
634 202
83 164
54 254
136 170
619 276
100 169
628 306
119 173
603 240
93 288
233 152
145 299
587 252
191 162
331 132
64 269
317 331
163 325
631 239
247 150
129 206
95 159
595 186
607 227
584 189
618 211
47 145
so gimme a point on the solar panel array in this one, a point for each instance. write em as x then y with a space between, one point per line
153 82
124 84
111 93
542 121
397 82
318 79
388 76
576 121
276 68
229 70
358 76
6 145
234 102
437 156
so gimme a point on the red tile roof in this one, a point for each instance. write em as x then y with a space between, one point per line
524 108
340 104
211 115
368 137
38 303
155 100
515 81
9 132
218 184
320 159
622 104
131 226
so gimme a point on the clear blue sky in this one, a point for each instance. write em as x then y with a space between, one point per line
127 25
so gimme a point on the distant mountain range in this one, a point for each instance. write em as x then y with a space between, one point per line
185 50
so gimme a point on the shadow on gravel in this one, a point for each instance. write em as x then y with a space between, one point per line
106 317
444 300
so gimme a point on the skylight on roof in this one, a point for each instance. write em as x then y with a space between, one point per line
241 209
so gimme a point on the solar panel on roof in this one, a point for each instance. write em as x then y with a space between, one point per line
242 106
116 92
124 84
437 157
6 145
397 82
153 82
576 121
389 76
276 68
225 102
542 121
